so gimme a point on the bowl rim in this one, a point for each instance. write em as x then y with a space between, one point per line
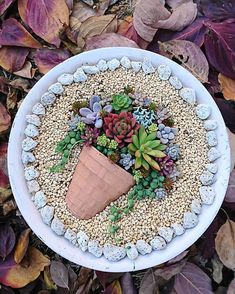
23 198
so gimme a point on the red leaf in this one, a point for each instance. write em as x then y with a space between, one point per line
14 34
7 240
220 46
217 10
13 58
4 4
46 58
46 18
4 181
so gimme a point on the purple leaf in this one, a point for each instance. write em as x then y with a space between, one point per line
7 240
178 257
93 100
99 123
13 58
59 274
192 280
108 108
96 107
213 85
220 46
4 4
107 278
85 111
87 121
230 194
127 284
231 288
228 113
167 272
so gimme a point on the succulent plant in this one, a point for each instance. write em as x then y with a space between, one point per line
144 116
166 134
103 140
121 102
77 105
73 122
139 99
120 127
152 128
162 114
90 135
137 174
166 164
175 174
168 184
126 161
173 151
160 193
146 149
81 126
93 115
113 144
114 157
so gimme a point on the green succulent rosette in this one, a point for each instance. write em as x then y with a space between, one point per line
121 102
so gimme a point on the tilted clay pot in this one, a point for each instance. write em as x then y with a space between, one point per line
95 184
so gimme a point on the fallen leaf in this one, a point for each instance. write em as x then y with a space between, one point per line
217 267
227 87
146 17
50 285
109 40
4 194
11 99
217 10
59 274
8 207
175 3
167 272
181 17
21 84
7 240
192 280
178 257
4 181
189 55
231 287
107 278
84 275
127 284
228 113
72 279
124 24
213 85
231 186
14 34
69 4
17 275
47 18
132 34
220 46
4 87
149 284
46 58
114 288
5 122
27 71
13 58
22 246
225 244
4 4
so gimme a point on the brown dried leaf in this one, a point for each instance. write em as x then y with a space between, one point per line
5 119
189 55
11 99
175 3
225 244
13 58
8 207
59 274
124 25
21 246
50 285
217 269
227 87
149 283
4 194
27 71
21 84
4 85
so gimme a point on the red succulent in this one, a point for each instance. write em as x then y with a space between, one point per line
120 127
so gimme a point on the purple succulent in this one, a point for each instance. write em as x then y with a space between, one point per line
90 136
92 115
166 164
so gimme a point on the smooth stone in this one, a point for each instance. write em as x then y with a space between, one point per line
27 157
79 76
143 247
158 243
125 62
33 119
175 82
207 194
47 213
29 144
33 186
136 66
57 226
212 167
190 220
166 233
31 131
71 236
213 154
114 253
210 124
65 79
82 240
113 64
147 66
38 109
90 69
164 72
30 173
211 138
207 178
102 65
203 111
188 95
56 89
40 199
131 251
178 229
196 206
94 248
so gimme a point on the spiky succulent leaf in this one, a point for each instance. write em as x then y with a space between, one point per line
138 162
156 153
135 141
155 165
161 147
132 148
151 137
145 164
153 144
142 134
137 154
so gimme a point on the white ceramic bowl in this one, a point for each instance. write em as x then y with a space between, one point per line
60 244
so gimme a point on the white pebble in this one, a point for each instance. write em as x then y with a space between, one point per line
113 253
57 226
31 131
56 89
40 199
178 229
30 173
166 233
79 76
158 243
82 240
38 109
131 251
164 72
207 194
65 79
33 186
125 62
207 178
175 82
203 111
211 138
47 213
196 206
147 66
33 119
210 124
27 157
190 220
213 154
212 167
29 144
113 64
188 95
90 69
143 247
102 65
94 248
136 66
71 236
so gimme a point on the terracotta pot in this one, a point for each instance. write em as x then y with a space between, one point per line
95 184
